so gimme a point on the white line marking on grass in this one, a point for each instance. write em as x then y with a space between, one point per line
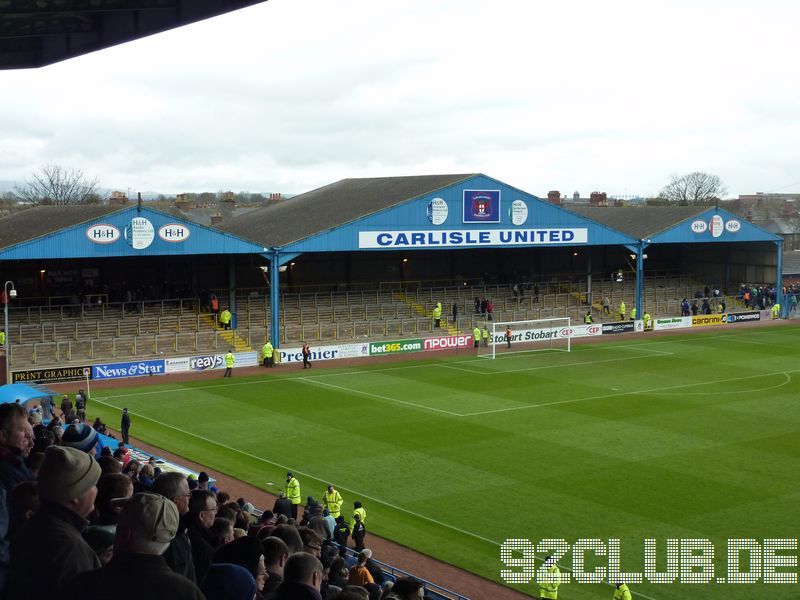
786 381
378 396
198 387
604 396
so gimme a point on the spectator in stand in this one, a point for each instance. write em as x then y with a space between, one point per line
302 579
489 310
49 548
175 487
228 582
373 567
246 552
289 534
312 541
137 571
202 511
101 539
110 486
81 437
146 478
16 442
109 464
99 426
406 588
353 592
359 575
330 523
338 574
276 553
221 531
23 502
282 506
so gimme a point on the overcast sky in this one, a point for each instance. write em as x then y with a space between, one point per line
293 94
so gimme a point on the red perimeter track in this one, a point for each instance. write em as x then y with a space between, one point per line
436 571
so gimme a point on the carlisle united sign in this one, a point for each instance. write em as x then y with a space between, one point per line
472 238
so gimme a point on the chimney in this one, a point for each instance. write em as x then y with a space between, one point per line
554 197
598 199
216 219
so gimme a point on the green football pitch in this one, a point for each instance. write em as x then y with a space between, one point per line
684 437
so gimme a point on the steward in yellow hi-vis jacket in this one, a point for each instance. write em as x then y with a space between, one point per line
622 311
548 587
292 491
437 315
621 592
476 333
333 501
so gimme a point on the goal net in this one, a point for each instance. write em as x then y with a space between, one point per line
527 336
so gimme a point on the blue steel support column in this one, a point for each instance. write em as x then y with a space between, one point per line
779 287
639 278
274 295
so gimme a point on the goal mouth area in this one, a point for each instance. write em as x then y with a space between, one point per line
516 337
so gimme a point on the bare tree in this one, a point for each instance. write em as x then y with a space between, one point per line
53 184
693 189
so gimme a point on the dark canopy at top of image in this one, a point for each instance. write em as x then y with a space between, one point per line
35 34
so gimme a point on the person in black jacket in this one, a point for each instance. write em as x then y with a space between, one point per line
202 512
341 532
175 486
359 532
283 506
125 426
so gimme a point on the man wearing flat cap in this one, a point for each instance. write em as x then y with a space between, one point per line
147 524
48 549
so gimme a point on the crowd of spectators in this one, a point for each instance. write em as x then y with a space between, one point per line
78 520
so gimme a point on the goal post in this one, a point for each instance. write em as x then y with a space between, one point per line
533 335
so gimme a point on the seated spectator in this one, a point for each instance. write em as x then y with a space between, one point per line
289 534
175 487
101 539
338 574
23 502
221 531
283 506
302 578
147 524
81 437
312 541
110 486
406 588
246 552
373 567
228 582
276 553
359 575
201 515
35 460
109 464
50 543
146 477
353 592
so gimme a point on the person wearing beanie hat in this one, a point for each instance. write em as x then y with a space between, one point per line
228 582
51 542
246 552
147 524
80 436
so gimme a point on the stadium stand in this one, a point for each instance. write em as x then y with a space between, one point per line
59 334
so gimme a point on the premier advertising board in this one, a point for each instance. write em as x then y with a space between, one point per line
295 355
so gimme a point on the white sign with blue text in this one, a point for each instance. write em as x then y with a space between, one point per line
473 238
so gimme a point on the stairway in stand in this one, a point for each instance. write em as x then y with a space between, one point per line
229 335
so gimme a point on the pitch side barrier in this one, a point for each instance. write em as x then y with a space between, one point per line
365 349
